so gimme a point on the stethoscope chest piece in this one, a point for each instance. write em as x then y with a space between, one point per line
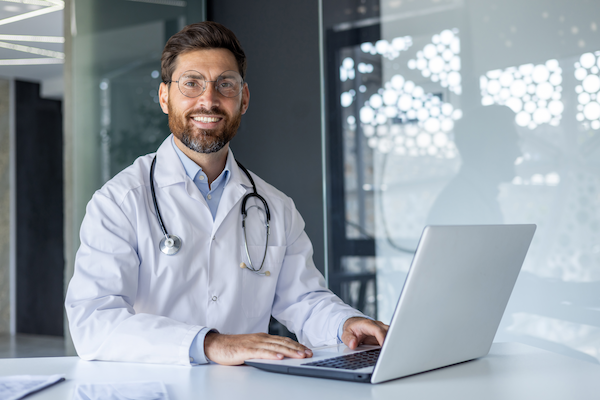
170 244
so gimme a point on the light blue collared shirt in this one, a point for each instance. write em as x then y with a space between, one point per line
211 194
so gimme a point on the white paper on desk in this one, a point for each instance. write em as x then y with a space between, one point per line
16 387
121 391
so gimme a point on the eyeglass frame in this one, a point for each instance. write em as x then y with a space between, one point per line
206 84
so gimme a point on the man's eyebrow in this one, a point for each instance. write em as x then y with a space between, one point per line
227 74
194 75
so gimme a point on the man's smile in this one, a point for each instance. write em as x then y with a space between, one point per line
206 119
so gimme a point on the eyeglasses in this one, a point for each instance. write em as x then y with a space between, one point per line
193 83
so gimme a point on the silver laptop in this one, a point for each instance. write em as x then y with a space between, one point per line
457 288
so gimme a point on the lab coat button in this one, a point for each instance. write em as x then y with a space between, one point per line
214 298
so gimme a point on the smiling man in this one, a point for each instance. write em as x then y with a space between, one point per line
157 277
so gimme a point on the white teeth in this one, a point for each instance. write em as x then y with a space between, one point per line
206 119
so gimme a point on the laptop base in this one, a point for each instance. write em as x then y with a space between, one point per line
344 375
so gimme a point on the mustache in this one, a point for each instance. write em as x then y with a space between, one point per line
203 111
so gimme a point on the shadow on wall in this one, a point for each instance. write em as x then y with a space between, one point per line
488 144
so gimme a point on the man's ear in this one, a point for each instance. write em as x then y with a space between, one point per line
245 98
163 97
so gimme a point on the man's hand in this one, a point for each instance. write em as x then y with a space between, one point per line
235 349
359 330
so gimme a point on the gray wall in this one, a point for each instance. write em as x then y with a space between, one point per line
280 135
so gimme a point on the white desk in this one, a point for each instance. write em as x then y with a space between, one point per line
511 371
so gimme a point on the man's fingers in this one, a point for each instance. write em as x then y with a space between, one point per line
372 340
349 339
285 349
362 330
285 341
266 354
235 349
379 332
290 347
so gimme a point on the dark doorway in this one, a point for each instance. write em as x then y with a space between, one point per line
39 173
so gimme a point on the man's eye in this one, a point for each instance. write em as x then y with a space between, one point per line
191 84
226 84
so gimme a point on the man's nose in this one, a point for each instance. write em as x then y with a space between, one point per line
210 97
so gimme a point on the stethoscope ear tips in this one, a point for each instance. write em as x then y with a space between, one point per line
266 273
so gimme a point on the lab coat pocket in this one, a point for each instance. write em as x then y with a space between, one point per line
258 290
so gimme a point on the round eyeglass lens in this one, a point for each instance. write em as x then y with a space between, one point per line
193 83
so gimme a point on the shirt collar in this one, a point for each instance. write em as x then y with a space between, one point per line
192 169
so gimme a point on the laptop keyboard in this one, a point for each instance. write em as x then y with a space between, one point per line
349 361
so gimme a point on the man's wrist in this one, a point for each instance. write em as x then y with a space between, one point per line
208 340
197 353
210 336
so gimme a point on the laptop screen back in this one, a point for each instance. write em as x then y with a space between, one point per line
457 288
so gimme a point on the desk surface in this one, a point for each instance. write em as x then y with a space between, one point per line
511 371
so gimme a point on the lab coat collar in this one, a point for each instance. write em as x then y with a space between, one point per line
237 177
234 191
169 170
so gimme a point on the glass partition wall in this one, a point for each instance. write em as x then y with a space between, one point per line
467 112
112 76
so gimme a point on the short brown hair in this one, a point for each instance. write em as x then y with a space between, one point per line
202 35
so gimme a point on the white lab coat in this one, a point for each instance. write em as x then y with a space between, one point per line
127 301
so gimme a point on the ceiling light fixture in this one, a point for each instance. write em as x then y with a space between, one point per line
32 61
174 3
51 6
32 50
28 38
44 3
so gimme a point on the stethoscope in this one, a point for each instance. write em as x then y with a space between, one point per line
171 244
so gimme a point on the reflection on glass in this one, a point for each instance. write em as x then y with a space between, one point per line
393 116
440 60
587 71
533 92
360 290
488 153
562 331
115 64
131 119
357 80
459 113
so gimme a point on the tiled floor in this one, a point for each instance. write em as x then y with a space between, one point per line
23 345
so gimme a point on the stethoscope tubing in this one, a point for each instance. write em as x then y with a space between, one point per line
171 244
158 216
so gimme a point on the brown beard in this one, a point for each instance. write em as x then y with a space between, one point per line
207 140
